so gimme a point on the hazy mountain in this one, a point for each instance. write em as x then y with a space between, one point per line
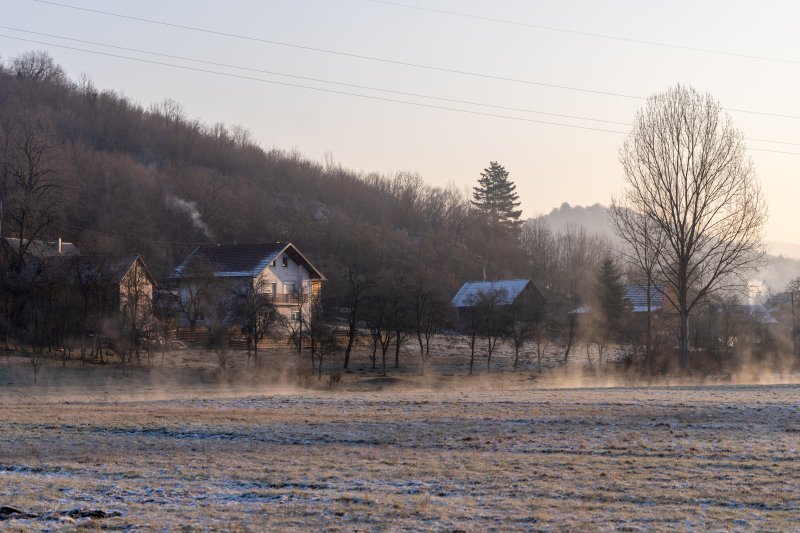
783 259
594 218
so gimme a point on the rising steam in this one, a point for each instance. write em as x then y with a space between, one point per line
189 208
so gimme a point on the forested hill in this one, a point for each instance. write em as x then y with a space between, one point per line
127 179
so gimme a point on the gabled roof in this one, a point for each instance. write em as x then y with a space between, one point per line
242 260
507 290
120 267
76 269
637 296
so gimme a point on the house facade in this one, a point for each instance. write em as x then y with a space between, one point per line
277 271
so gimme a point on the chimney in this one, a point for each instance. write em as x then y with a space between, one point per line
59 245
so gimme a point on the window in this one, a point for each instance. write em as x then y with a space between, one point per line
289 288
285 261
273 262
274 288
295 315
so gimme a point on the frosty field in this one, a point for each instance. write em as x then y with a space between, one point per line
374 455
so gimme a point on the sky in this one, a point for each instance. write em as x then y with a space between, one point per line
516 51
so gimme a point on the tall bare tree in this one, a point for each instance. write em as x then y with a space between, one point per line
687 172
28 185
644 244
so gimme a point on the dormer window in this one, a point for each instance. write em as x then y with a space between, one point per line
285 261
273 262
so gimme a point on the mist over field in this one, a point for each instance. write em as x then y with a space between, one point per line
530 284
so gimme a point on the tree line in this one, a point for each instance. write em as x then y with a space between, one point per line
118 178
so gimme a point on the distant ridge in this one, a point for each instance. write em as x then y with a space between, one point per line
784 257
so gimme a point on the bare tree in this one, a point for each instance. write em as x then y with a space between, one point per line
136 307
687 172
491 319
219 312
519 328
37 66
793 288
644 245
189 293
540 334
357 287
569 334
28 186
428 311
321 335
257 315
379 322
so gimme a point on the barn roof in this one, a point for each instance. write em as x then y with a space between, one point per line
637 296
242 260
507 290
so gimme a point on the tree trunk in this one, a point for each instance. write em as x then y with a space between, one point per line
471 358
684 340
397 342
351 337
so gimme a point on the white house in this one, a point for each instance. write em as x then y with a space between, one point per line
277 270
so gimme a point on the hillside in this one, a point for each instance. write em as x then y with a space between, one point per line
132 180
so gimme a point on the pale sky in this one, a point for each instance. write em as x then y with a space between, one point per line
550 164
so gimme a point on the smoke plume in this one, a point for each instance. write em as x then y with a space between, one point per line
189 208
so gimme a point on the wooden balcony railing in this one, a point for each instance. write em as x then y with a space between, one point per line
285 299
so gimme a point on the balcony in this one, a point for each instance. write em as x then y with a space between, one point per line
287 299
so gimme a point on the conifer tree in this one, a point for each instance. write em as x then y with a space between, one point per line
610 294
496 196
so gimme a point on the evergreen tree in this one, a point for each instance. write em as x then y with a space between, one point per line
496 196
610 295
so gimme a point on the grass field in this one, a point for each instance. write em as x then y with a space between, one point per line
441 452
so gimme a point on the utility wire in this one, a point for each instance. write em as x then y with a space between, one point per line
381 60
319 89
588 34
307 78
452 100
345 93
134 239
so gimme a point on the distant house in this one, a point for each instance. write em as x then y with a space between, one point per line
276 270
10 249
636 296
503 293
123 284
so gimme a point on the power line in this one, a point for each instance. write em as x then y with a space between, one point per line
319 89
307 78
404 93
382 60
588 34
345 93
135 239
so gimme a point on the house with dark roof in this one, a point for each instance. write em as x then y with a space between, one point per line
112 298
14 252
278 270
503 293
122 283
